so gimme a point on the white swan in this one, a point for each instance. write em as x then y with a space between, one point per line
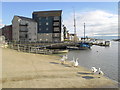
100 72
94 70
76 63
62 60
73 61
66 56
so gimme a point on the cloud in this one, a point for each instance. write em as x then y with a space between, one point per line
97 23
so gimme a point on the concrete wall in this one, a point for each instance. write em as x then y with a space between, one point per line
25 28
15 29
31 30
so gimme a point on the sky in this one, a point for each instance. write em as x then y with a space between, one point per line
101 18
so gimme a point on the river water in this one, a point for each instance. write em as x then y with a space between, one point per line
102 57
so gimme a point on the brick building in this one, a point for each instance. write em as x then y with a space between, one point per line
7 33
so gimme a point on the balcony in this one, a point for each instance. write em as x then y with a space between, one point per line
56 35
56 18
56 24
23 24
56 29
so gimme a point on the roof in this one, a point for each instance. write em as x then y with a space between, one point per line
25 18
6 26
48 11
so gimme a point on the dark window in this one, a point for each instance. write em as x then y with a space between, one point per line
26 36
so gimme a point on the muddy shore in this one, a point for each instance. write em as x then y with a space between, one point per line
27 70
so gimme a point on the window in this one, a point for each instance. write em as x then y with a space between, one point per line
46 23
39 23
46 28
40 18
40 39
56 34
46 18
39 29
26 36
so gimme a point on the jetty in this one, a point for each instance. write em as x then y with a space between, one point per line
41 48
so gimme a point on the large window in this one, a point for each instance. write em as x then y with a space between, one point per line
47 23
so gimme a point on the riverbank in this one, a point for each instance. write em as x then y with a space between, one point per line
27 70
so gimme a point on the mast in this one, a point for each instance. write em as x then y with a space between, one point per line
74 25
84 31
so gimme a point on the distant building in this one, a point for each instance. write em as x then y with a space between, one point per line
24 29
7 33
73 37
49 25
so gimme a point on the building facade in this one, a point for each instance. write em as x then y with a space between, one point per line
73 37
7 33
24 29
49 25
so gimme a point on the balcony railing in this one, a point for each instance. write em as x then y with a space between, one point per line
23 30
56 29
56 24
56 18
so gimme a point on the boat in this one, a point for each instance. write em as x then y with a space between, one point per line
80 46
83 45
60 51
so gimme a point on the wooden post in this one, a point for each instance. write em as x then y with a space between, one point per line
18 47
36 49
24 48
29 49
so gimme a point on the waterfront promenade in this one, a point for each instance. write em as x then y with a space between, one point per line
27 70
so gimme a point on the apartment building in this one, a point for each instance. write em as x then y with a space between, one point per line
24 29
49 25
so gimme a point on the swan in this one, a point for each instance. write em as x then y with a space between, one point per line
94 70
73 61
66 57
100 72
62 60
76 63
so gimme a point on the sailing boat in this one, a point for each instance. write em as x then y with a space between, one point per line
84 45
80 45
